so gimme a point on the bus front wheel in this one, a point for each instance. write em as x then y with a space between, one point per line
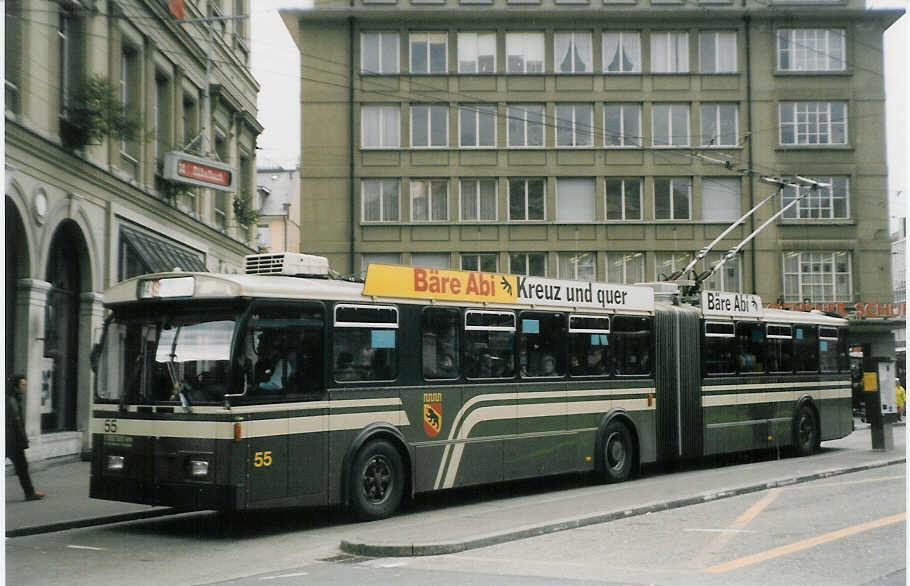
617 452
377 481
805 431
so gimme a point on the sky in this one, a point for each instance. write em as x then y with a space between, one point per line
276 65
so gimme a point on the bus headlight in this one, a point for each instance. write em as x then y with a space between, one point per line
198 468
115 463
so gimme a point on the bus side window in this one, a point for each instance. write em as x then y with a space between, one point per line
589 349
780 348
751 339
439 342
828 349
366 343
805 348
719 348
631 342
489 341
541 344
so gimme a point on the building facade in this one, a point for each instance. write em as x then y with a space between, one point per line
86 201
598 139
278 209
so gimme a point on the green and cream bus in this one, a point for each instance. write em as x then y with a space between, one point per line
283 387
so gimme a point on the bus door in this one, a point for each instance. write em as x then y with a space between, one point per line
678 380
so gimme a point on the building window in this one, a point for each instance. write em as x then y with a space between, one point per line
69 48
667 263
669 52
477 125
813 123
433 260
429 52
574 125
13 52
727 277
720 125
530 264
380 126
622 125
524 52
721 199
526 126
622 52
476 52
717 52
526 199
162 116
623 198
817 276
575 199
263 236
220 209
378 258
672 197
129 99
380 200
819 203
572 52
429 200
800 49
625 267
478 200
670 125
429 125
486 262
578 266
379 52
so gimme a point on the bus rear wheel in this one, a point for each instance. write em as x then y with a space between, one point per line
617 452
805 431
377 481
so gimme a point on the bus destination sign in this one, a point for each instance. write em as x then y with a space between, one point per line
442 284
721 303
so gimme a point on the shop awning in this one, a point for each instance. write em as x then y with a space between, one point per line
160 255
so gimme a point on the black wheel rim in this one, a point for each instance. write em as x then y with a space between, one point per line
806 430
377 479
615 452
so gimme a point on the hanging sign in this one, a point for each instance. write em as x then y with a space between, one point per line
186 168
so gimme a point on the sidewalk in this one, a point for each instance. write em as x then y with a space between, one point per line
456 528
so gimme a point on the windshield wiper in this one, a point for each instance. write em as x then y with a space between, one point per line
180 386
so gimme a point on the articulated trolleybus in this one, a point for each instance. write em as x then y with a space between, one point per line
283 387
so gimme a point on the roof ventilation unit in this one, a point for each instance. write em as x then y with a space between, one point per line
287 263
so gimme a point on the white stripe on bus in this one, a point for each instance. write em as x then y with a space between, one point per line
772 397
790 385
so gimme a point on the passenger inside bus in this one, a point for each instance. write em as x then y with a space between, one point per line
274 366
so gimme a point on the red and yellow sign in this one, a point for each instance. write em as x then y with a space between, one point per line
422 283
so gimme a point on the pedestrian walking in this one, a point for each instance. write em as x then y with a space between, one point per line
901 396
16 438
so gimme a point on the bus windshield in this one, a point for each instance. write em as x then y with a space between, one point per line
180 357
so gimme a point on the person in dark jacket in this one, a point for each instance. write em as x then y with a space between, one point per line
16 438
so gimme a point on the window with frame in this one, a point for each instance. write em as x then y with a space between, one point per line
379 52
812 49
817 276
433 260
525 125
670 125
162 116
578 266
365 343
625 267
574 125
717 52
529 264
632 340
669 52
805 348
542 344
779 348
819 203
720 125
572 52
623 197
69 35
750 337
483 262
263 235
829 349
283 351
380 200
622 125
429 200
439 342
477 125
622 52
429 52
524 52
721 199
489 344
526 199
719 348
478 200
429 125
378 258
672 198
129 99
13 52
380 126
589 347
667 263
575 200
727 278
476 52
813 123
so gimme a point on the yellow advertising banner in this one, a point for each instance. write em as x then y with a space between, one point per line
424 283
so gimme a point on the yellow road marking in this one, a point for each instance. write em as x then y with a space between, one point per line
806 543
721 541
